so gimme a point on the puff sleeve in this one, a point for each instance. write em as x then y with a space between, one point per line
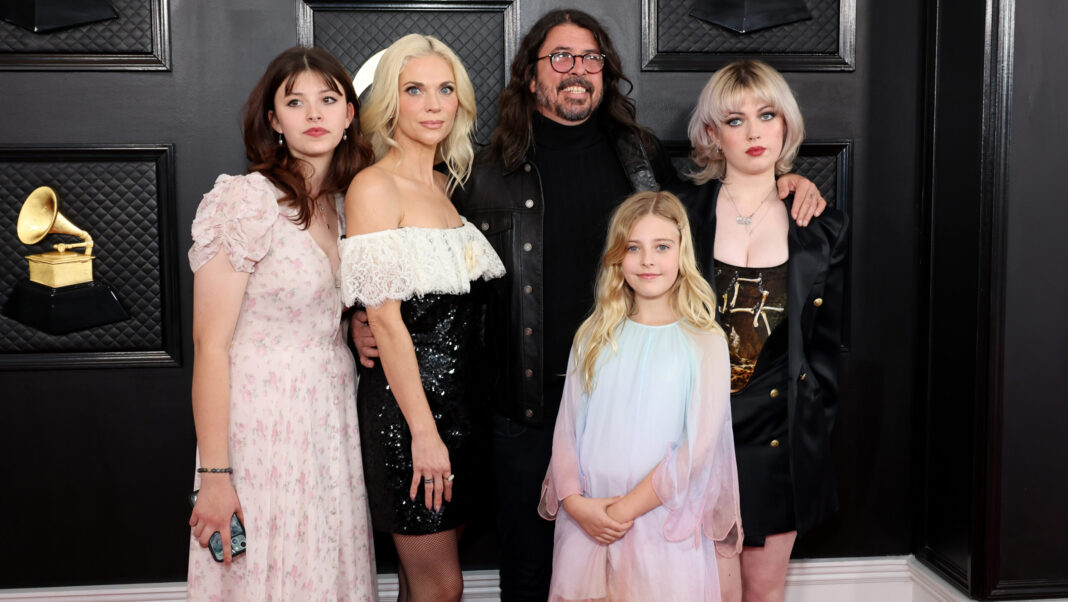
236 216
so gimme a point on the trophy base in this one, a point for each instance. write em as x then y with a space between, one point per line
65 309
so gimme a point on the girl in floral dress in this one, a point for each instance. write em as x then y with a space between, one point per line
273 381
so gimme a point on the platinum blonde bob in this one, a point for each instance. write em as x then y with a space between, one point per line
726 91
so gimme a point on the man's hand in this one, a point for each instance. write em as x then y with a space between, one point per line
363 339
590 513
808 202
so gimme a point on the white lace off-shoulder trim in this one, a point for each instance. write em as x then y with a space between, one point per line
405 262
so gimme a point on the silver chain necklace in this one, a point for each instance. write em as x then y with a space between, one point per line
746 221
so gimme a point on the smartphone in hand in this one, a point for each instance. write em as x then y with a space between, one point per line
237 535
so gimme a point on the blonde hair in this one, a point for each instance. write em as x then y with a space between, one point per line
378 114
692 297
726 91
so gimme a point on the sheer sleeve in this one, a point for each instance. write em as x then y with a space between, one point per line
698 479
564 477
236 216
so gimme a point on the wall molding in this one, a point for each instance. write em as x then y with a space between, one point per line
157 59
882 579
655 59
112 185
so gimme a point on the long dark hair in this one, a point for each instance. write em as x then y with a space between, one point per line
514 134
273 160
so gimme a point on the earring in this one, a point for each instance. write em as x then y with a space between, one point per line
345 135
281 140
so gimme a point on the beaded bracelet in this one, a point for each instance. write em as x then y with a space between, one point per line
214 470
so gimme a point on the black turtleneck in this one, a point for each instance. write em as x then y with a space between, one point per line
582 182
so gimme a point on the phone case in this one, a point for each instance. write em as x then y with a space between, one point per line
237 535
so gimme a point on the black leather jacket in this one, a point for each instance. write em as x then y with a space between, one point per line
507 206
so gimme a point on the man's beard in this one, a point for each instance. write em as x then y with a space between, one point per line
563 109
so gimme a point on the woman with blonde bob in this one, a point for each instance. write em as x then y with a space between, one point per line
416 266
779 299
642 482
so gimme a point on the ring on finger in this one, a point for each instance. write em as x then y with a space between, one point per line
428 481
450 477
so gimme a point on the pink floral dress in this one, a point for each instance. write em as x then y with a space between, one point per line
294 439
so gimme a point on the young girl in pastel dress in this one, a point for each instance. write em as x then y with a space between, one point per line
642 482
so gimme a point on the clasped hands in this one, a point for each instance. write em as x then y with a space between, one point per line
602 518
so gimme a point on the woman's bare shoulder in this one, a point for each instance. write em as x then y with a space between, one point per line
373 201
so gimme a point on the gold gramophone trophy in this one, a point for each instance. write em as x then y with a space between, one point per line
60 295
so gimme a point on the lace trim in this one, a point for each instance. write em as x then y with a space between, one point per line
411 262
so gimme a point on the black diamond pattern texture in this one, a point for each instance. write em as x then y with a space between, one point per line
678 31
821 169
117 203
477 37
130 33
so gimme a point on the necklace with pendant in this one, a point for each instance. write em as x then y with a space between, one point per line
746 221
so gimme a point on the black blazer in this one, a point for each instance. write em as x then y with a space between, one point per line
815 278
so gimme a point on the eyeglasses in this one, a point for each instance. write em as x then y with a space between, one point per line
562 62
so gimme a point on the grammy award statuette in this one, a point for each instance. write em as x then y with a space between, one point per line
60 295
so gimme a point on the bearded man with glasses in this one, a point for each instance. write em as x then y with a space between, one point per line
566 151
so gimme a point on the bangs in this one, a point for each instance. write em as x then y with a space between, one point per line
735 93
327 80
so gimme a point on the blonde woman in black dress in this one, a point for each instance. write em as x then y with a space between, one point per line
417 266
779 298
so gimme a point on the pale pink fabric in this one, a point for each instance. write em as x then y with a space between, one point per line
294 439
670 552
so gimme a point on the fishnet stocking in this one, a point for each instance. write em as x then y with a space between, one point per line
430 567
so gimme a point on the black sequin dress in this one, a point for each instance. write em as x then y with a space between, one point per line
437 275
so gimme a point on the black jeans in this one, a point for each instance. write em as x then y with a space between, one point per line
520 458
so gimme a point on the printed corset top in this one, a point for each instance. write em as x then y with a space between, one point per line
751 304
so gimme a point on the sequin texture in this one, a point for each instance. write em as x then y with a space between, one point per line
447 332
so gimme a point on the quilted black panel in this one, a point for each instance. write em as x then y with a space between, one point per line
117 202
131 33
477 37
818 166
677 31
823 170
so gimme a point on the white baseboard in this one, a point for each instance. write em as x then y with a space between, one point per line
478 585
848 580
888 579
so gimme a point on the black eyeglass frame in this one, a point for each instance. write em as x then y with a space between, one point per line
597 55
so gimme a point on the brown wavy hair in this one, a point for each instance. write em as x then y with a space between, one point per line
515 133
273 160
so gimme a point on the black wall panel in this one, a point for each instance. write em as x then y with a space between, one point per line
1034 480
994 473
